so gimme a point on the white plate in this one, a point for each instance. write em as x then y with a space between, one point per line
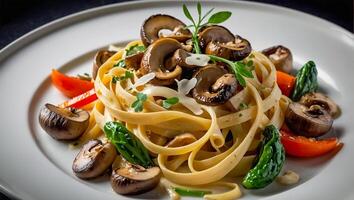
35 167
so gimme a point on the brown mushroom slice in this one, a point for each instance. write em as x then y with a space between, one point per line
63 123
94 159
135 179
310 121
154 61
149 32
281 57
215 33
133 61
316 98
235 50
101 57
214 85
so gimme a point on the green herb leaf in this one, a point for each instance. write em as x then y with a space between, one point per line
134 50
250 63
199 8
167 103
139 102
128 74
206 14
187 13
120 63
219 17
191 193
241 80
128 145
243 106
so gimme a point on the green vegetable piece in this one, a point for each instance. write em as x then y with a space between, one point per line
128 145
191 193
128 74
134 50
138 104
219 17
306 81
167 103
269 161
187 13
120 63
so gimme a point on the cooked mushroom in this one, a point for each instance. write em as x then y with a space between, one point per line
159 23
235 50
135 179
133 61
215 33
100 58
310 121
155 58
281 57
322 100
214 85
179 58
94 159
63 123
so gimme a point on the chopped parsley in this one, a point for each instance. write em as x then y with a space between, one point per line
134 50
139 102
128 74
167 103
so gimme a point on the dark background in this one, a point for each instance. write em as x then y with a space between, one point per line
18 17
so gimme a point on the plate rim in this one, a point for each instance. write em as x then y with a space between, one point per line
83 15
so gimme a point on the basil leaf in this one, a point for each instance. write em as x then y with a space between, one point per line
219 17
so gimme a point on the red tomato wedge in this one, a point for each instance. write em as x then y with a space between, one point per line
81 100
285 82
70 86
300 146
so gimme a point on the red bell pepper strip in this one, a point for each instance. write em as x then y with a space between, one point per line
300 146
70 86
81 100
286 82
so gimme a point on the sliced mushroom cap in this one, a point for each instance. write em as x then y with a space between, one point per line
133 61
179 58
281 57
322 100
215 33
100 58
155 58
214 85
94 159
63 123
235 50
135 179
149 32
310 121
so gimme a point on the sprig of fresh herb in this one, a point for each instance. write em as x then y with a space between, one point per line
120 63
128 74
139 102
239 68
169 102
243 106
135 49
198 23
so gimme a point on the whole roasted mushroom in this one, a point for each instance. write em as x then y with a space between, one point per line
214 85
316 98
135 179
94 159
155 58
310 121
101 57
160 26
63 123
281 57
